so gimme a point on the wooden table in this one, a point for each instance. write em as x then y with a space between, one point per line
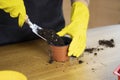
31 58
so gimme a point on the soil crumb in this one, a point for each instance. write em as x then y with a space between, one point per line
51 61
90 50
107 43
93 69
80 61
95 54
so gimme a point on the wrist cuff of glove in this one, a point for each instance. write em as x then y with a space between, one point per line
79 11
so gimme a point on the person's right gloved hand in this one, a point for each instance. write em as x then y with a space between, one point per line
15 8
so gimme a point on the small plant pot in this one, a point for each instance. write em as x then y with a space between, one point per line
117 72
60 53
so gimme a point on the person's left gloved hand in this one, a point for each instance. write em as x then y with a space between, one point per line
77 29
16 8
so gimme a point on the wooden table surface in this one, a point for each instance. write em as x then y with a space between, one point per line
31 58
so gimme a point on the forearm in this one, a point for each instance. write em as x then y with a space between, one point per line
86 2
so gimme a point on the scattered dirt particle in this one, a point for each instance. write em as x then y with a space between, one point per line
90 50
51 61
92 69
95 54
46 64
80 61
98 49
101 49
56 67
87 63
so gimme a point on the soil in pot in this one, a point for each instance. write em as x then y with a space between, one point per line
51 37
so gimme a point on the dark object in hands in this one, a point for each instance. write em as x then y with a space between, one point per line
51 37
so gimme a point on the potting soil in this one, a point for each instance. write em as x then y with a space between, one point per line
51 37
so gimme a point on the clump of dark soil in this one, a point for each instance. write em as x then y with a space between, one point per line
51 61
95 54
51 37
80 61
107 43
91 50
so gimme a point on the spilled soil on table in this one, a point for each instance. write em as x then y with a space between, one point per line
105 43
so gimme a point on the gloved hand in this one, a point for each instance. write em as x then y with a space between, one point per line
11 75
77 29
16 8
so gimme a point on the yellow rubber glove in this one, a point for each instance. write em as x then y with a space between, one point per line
16 8
11 75
77 29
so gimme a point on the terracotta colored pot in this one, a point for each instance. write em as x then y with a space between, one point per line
59 53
